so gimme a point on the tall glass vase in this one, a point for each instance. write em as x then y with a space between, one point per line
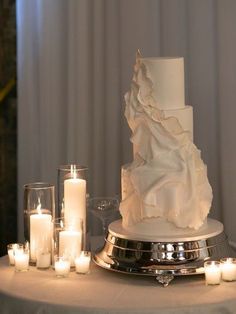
39 213
72 191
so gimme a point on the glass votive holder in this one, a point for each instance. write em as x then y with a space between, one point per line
21 257
82 262
212 272
11 248
43 259
62 266
67 240
72 191
228 268
39 212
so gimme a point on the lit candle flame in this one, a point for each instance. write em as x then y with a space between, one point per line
39 207
73 171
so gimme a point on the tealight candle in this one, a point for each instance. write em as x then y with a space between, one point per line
11 248
62 266
228 269
82 262
21 260
212 272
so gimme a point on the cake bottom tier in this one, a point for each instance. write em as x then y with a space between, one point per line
128 253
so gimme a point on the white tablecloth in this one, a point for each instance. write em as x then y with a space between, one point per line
102 291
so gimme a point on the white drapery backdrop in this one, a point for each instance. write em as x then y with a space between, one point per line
75 62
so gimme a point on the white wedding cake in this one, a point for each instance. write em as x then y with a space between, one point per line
166 196
165 189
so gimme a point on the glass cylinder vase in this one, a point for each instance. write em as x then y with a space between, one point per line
72 191
39 212
67 239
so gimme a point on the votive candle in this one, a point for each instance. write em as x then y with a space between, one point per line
62 266
212 272
82 262
228 268
21 260
11 248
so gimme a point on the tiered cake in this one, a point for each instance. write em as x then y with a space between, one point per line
167 177
166 196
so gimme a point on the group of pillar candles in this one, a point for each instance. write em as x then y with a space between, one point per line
49 240
215 271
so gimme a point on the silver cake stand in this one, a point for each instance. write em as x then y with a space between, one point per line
128 253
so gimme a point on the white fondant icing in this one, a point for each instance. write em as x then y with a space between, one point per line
167 76
167 177
158 229
185 117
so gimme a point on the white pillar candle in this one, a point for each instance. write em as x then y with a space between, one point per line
40 233
43 260
228 269
21 261
212 272
82 263
62 267
70 244
75 201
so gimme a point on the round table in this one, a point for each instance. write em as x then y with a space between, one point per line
105 292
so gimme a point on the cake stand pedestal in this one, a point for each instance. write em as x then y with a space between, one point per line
162 256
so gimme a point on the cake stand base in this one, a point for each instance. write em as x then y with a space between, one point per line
163 258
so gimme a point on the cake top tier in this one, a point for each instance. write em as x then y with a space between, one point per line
167 76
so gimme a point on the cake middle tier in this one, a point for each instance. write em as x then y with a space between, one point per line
185 118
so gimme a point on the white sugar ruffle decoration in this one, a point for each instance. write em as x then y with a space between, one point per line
167 177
